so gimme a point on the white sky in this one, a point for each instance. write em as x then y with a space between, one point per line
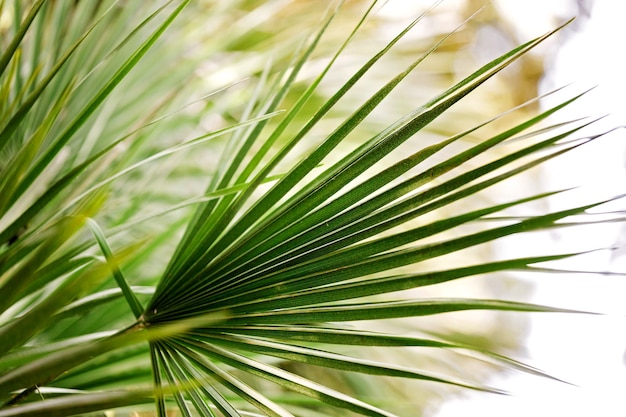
585 350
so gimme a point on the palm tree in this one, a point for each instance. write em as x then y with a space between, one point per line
311 227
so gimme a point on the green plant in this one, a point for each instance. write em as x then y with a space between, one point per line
281 251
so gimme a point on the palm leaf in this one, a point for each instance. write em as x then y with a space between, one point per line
287 258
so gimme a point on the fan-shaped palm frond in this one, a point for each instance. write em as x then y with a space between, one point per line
288 257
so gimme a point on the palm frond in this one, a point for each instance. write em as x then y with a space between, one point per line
306 228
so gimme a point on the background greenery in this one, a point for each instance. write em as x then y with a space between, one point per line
228 208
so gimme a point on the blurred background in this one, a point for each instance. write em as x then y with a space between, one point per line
587 351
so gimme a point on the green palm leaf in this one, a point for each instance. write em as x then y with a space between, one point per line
288 256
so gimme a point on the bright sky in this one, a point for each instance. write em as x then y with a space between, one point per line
585 350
